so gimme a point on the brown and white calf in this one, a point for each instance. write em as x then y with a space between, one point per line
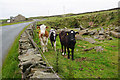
52 36
43 36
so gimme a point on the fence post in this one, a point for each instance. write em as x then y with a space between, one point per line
57 61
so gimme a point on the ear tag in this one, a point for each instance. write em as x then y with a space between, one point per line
67 33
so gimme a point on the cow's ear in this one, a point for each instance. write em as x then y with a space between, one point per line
47 27
67 32
38 27
76 32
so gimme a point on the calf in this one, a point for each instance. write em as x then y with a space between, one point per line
52 36
43 36
67 39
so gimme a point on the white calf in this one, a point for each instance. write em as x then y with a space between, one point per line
43 36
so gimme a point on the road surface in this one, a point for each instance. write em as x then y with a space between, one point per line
7 36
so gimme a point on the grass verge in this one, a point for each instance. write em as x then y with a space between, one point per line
10 65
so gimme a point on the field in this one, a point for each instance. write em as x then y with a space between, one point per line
87 64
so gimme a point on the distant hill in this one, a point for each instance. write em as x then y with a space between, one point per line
103 18
72 14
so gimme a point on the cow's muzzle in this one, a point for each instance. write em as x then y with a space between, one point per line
73 40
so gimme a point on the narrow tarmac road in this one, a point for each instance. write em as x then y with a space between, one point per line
7 36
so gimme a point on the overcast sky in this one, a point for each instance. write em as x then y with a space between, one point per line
30 8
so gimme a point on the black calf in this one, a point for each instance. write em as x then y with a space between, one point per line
67 40
53 36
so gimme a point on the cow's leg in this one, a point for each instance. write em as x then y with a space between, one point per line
43 48
65 50
72 54
55 45
51 44
42 45
46 45
68 53
62 49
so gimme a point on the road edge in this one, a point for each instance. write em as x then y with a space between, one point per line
7 70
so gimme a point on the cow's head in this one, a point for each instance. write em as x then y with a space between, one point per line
53 34
71 35
42 28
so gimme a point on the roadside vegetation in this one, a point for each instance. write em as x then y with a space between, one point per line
10 65
87 64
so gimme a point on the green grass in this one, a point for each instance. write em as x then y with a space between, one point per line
97 64
87 64
5 24
10 66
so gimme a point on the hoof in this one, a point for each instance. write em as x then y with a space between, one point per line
46 50
63 54
43 51
68 57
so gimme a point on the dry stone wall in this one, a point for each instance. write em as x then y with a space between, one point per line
31 63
